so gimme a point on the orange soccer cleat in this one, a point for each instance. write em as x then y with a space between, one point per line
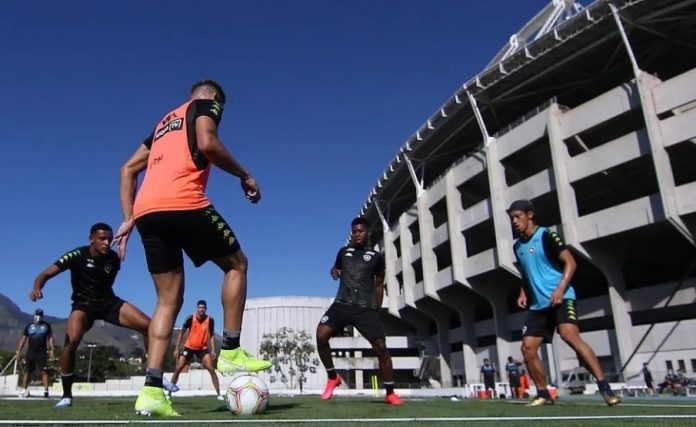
330 386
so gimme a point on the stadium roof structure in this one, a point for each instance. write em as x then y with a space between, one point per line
569 60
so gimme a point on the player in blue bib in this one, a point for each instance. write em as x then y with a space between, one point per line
547 267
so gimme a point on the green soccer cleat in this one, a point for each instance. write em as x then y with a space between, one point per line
152 402
240 360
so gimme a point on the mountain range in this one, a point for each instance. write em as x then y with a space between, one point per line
13 322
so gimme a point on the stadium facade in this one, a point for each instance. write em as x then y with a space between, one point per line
591 114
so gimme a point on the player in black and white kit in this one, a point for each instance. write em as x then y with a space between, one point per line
39 339
93 270
360 292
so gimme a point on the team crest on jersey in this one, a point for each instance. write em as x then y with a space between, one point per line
107 268
531 250
324 319
367 257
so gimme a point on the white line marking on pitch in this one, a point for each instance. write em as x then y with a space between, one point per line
342 420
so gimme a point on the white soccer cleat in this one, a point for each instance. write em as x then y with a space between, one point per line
221 397
24 393
63 403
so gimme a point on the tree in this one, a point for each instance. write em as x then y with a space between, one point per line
291 353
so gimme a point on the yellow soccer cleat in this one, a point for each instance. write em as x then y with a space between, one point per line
611 399
239 360
540 401
152 402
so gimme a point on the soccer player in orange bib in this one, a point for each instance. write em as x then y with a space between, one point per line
200 343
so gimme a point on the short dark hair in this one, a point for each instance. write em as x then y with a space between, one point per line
509 358
201 302
210 83
361 220
100 226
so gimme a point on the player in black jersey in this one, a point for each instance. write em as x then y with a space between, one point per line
360 292
39 339
93 270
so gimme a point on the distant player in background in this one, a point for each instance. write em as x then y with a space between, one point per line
647 376
359 299
513 373
547 267
39 337
200 343
488 376
93 271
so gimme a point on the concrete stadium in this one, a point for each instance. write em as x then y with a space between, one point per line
590 112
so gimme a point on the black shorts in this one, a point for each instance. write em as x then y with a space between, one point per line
543 323
514 381
107 311
489 383
365 320
188 353
202 233
36 360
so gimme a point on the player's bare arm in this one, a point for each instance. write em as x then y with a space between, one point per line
129 180
379 284
335 272
522 297
209 144
569 266
40 282
179 338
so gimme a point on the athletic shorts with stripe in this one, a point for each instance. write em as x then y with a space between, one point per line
202 233
543 323
365 320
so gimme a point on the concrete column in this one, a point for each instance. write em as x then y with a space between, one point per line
358 372
391 261
499 204
663 169
407 273
440 314
611 265
567 203
428 258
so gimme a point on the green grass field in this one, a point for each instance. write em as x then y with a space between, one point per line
310 411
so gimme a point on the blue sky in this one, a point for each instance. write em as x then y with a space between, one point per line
321 95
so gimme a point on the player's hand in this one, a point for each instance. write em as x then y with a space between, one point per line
335 273
176 354
51 355
522 301
213 355
121 238
35 294
557 297
251 189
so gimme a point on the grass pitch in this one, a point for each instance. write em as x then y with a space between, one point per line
355 411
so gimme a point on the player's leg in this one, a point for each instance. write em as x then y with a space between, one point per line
161 239
42 365
209 238
181 362
570 333
209 366
535 367
169 287
130 316
79 322
332 321
44 381
368 323
29 364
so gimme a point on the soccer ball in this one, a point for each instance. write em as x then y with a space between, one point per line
247 394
